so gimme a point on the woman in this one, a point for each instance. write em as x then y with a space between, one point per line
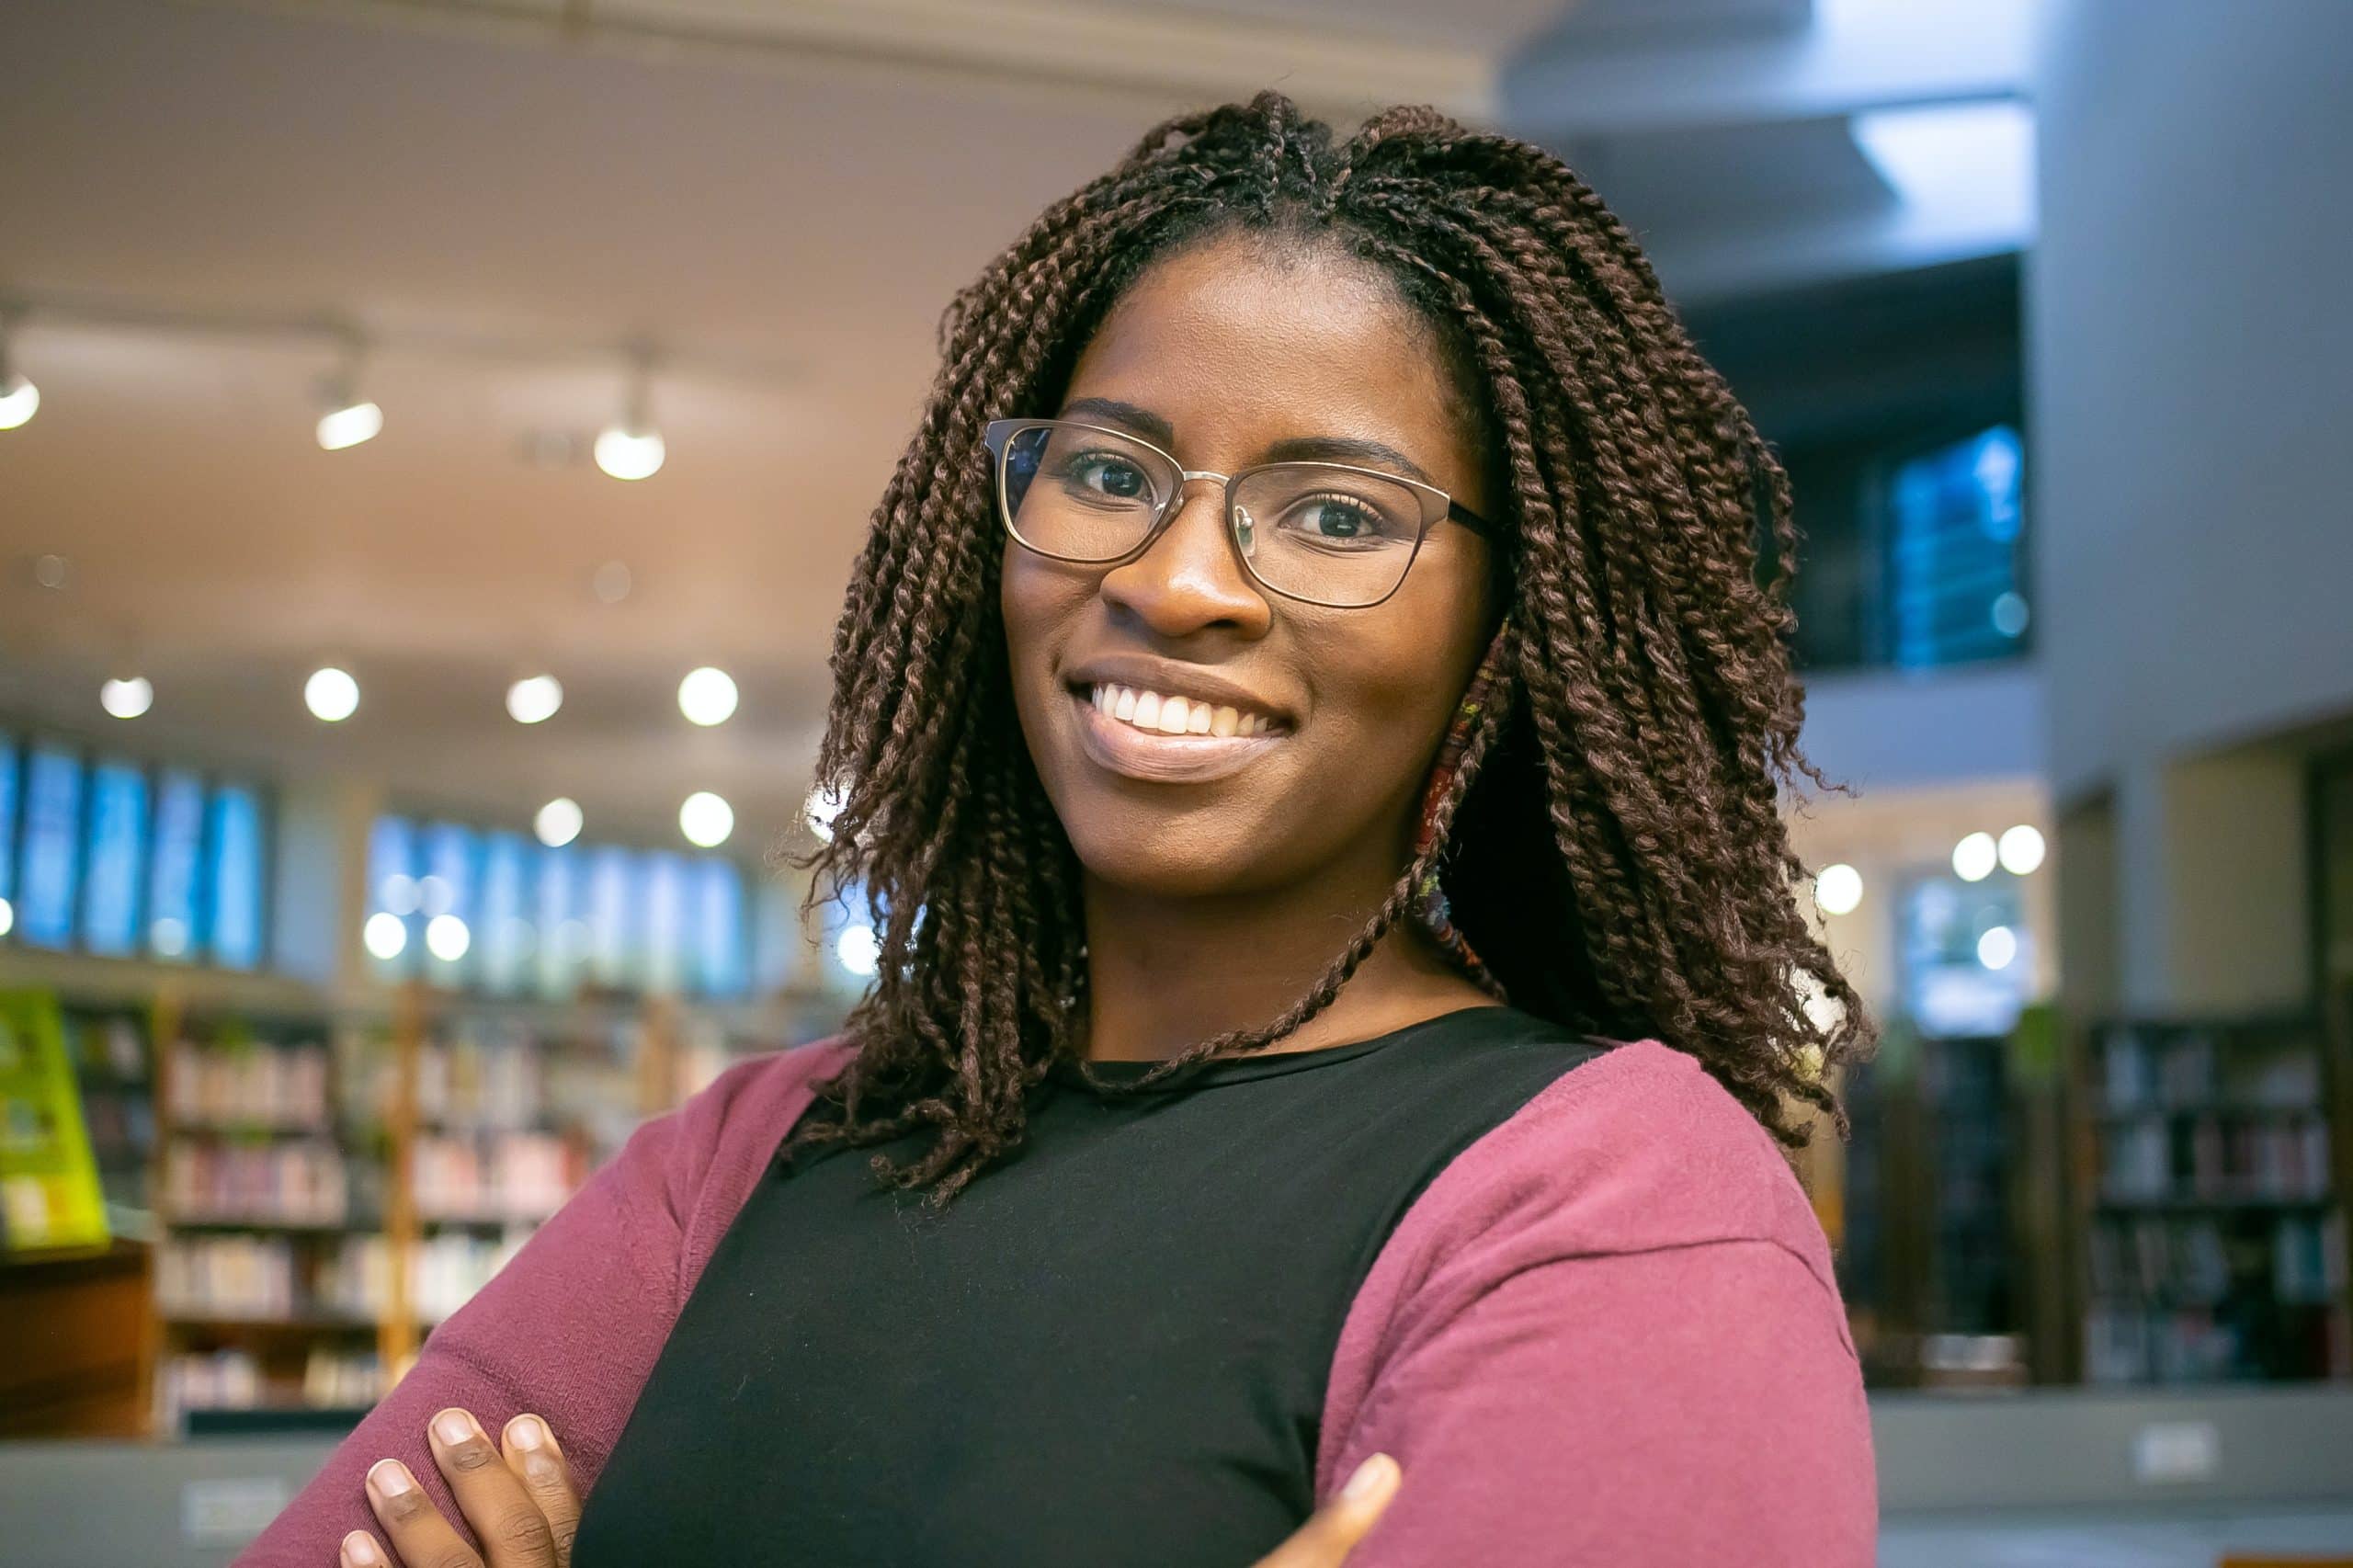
1309 726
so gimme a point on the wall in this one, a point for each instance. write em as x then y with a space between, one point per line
2188 345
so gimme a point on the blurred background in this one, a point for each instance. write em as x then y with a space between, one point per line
434 436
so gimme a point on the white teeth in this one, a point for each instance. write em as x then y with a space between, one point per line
1175 715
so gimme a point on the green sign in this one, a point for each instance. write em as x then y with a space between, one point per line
48 1183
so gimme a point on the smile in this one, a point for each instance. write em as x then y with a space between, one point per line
1167 738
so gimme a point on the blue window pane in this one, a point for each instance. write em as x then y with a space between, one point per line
174 927
781 947
52 848
506 932
233 879
719 949
116 846
1953 553
392 932
561 903
611 940
8 821
449 891
662 938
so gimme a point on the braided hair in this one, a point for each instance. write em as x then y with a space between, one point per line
1602 841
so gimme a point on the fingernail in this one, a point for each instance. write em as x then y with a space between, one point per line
359 1551
527 1432
453 1427
390 1478
1369 1477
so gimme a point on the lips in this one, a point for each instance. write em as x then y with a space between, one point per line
1159 756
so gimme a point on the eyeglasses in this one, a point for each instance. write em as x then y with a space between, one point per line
1324 533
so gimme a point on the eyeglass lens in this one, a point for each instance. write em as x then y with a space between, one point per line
1322 533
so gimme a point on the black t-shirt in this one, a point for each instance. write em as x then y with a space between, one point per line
1111 1348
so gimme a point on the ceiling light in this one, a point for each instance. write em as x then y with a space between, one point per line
447 937
1838 890
706 820
558 822
385 934
7 918
2022 850
707 695
627 454
127 698
332 696
19 399
349 419
1974 857
1959 168
859 951
349 425
168 938
631 448
1997 946
534 698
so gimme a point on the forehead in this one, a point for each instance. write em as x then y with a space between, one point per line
1237 349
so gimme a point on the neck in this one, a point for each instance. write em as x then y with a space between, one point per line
1165 974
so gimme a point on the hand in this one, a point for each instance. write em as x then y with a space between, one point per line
522 1506
517 1498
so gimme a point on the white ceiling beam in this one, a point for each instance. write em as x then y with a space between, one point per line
1166 54
1852 58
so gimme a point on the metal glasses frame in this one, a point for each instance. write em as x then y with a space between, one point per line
1437 505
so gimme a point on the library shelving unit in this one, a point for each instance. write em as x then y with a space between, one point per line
415 1144
269 1181
1929 1261
2210 1163
299 1185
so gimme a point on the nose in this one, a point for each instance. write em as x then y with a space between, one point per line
1188 579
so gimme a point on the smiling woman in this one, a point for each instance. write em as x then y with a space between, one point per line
1309 727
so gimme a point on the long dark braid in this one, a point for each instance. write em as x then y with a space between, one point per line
1604 832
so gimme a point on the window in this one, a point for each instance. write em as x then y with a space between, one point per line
119 859
1954 522
491 912
116 854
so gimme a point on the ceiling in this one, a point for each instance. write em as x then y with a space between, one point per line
770 200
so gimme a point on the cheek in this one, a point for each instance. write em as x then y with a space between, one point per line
1387 690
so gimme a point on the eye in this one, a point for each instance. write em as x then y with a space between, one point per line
1336 519
1107 475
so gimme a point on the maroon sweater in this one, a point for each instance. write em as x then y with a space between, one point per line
1608 1333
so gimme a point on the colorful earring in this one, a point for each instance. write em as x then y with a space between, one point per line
1430 902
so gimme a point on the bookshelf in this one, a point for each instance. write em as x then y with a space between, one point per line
2210 1163
266 1176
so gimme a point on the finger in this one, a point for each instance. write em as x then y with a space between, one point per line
1326 1540
513 1532
359 1551
417 1531
533 1455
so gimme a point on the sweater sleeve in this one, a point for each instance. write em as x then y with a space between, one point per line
570 1328
1609 1334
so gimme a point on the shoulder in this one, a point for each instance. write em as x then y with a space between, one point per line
700 1160
1637 1150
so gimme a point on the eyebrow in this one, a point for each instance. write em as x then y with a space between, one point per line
1295 448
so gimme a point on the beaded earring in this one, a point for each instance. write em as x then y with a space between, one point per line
1430 902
